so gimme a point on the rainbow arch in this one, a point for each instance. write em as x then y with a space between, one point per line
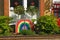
24 25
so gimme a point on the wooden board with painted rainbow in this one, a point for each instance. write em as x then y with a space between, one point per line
24 25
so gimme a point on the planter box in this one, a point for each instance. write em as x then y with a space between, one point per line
41 37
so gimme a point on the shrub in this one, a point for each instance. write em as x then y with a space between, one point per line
4 25
46 25
27 32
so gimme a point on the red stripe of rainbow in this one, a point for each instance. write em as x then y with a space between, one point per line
17 25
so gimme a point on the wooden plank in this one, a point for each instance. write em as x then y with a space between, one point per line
41 7
25 37
6 7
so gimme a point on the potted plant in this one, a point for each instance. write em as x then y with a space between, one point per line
19 10
32 10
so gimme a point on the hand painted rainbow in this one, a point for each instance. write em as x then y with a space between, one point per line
23 25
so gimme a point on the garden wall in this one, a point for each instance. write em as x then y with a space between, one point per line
49 37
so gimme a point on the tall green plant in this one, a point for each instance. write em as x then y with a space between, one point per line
46 25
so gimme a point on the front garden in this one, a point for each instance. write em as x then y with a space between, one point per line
46 25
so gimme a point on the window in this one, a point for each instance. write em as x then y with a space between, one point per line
35 1
56 8
12 2
26 4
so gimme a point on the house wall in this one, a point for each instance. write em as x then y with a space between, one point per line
1 7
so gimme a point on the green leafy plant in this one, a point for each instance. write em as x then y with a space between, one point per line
27 32
46 25
33 20
32 10
19 10
4 25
